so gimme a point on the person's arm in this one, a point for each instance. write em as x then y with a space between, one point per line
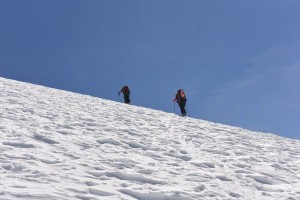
120 91
176 97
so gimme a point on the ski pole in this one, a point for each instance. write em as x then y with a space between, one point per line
187 110
174 107
174 104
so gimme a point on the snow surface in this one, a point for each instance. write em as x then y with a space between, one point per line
61 145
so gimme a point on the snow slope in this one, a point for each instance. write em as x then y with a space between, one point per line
61 145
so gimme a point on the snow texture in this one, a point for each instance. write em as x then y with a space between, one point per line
58 145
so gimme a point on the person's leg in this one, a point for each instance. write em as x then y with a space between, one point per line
126 98
182 110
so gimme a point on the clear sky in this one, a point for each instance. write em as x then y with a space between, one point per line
238 61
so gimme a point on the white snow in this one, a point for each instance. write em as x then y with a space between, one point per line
61 145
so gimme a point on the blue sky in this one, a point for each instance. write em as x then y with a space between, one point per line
238 61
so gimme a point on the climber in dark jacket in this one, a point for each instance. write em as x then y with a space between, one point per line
126 93
180 98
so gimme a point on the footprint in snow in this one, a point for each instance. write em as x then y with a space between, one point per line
223 178
173 153
45 139
102 193
18 144
204 164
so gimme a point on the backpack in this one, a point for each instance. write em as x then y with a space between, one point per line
125 90
181 96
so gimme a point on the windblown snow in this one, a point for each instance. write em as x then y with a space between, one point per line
62 145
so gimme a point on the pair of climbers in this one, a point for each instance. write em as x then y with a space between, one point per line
180 98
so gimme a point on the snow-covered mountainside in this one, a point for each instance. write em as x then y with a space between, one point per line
61 145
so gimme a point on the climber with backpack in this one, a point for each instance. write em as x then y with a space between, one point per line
126 93
180 98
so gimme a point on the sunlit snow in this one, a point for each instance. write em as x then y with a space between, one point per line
61 145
